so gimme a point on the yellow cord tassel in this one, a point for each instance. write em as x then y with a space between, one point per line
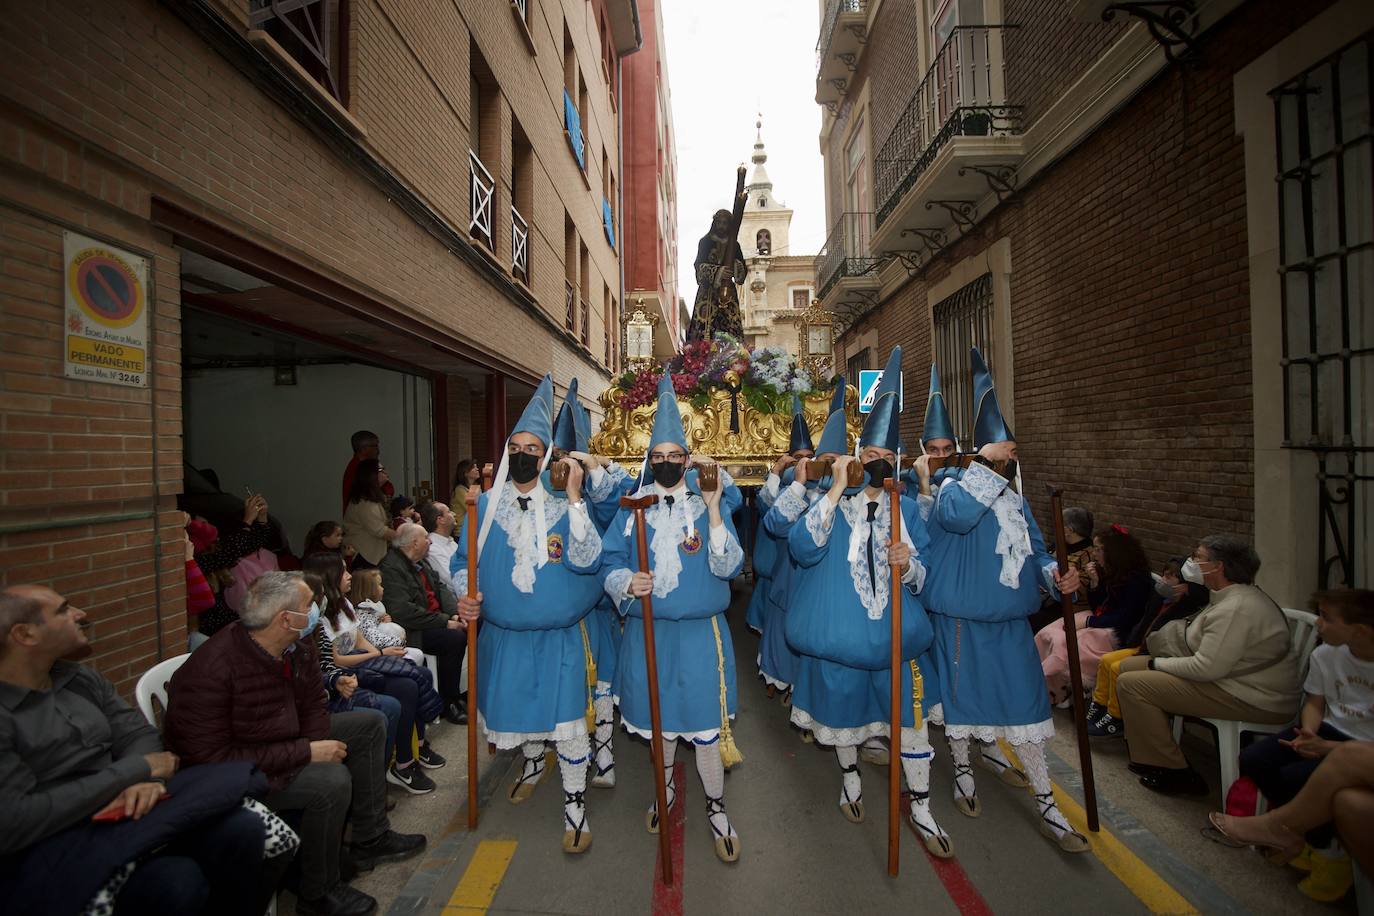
591 679
917 694
729 753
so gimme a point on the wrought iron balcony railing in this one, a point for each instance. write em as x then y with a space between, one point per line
519 246
483 192
962 95
586 329
570 299
846 253
832 16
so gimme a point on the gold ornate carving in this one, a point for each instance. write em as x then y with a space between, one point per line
747 455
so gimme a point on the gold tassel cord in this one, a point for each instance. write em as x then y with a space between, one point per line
729 753
591 678
917 694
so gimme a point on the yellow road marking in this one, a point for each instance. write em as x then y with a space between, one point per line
477 888
1152 890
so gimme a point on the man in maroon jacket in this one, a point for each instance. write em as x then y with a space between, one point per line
254 692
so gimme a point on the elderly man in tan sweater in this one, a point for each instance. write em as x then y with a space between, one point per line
1231 660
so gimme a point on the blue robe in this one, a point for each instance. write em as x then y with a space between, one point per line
839 622
764 559
531 651
991 680
777 659
603 623
689 662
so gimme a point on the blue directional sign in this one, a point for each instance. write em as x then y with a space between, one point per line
868 387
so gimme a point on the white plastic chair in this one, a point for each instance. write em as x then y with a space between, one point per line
153 684
1302 630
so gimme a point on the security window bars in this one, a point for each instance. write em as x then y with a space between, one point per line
308 30
856 364
1326 256
519 246
962 321
483 191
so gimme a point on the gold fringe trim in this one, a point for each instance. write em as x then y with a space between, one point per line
591 678
729 753
917 694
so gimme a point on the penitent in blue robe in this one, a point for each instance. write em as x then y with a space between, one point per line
764 558
691 592
839 621
531 652
990 674
777 659
603 623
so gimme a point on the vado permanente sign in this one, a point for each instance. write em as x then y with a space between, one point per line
106 328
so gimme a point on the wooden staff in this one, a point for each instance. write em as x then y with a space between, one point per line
665 848
488 475
472 660
1080 712
894 769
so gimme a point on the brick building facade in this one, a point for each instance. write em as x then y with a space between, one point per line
1103 221
429 200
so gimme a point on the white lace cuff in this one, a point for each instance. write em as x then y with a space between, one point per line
792 503
1048 571
925 504
725 553
460 581
820 518
599 485
585 544
617 586
983 483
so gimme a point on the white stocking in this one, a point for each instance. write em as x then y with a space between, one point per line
1032 755
851 784
711 769
963 773
573 755
605 729
533 767
669 748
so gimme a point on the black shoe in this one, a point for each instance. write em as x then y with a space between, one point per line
1186 781
456 713
341 901
1095 711
429 758
411 778
1143 769
389 847
1107 726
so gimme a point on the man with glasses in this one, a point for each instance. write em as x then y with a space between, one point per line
693 554
538 552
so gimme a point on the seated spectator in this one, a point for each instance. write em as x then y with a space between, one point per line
1339 707
421 602
218 552
199 596
1078 545
328 536
1119 575
72 751
1172 599
367 526
1232 660
254 692
1340 791
373 620
366 447
403 510
354 669
438 520
468 474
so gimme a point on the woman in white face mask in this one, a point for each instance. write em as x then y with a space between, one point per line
1231 660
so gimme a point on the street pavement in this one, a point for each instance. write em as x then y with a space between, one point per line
800 856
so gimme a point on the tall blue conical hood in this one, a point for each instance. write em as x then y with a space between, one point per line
582 425
537 420
837 395
937 424
667 421
988 423
801 435
565 424
881 429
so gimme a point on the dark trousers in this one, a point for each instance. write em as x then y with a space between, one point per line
1280 772
447 646
324 792
404 690
218 868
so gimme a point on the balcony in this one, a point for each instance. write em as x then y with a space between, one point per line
570 300
846 262
957 140
844 30
519 247
482 189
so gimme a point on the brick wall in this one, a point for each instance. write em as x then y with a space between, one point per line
1130 307
1047 51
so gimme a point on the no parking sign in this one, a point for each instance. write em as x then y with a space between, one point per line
868 389
106 329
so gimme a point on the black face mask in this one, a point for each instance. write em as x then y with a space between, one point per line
666 473
1011 470
878 470
523 468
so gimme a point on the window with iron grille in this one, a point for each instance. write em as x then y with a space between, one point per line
312 32
1326 270
856 364
962 321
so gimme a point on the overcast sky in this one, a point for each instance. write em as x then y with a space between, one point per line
727 61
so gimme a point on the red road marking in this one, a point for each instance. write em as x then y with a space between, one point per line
668 898
957 884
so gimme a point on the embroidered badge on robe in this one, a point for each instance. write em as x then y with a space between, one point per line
555 548
693 543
